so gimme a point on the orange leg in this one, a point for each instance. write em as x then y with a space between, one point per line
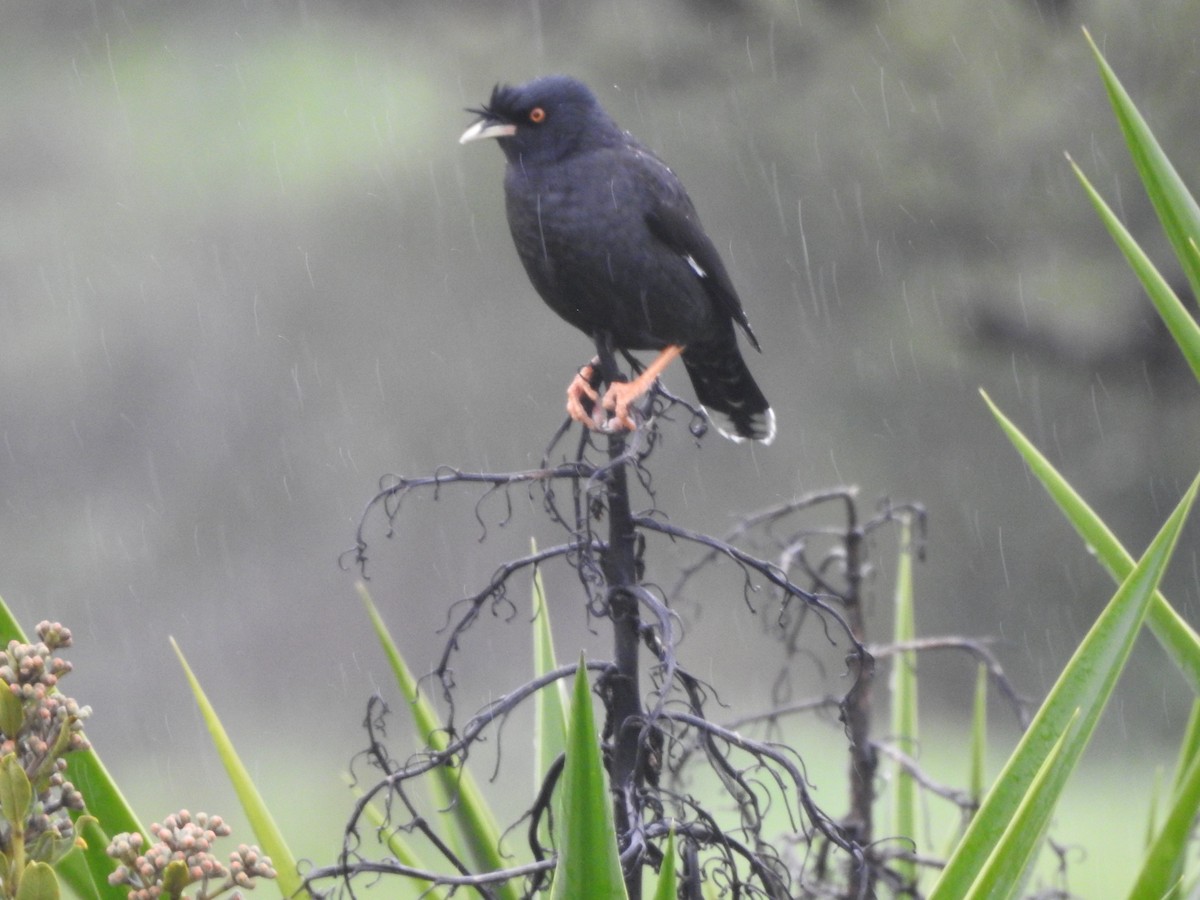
623 394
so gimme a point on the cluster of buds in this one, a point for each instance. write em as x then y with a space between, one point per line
182 857
39 726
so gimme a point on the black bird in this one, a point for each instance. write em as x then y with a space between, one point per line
612 242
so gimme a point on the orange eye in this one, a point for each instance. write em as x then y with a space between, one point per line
537 115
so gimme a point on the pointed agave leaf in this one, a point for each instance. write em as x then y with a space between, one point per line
667 880
270 838
904 703
1176 208
1177 638
87 873
551 704
588 862
1179 322
1007 869
1085 685
470 811
1162 868
977 777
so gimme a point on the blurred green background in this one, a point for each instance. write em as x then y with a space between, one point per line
245 270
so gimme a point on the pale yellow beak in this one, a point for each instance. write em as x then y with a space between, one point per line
485 128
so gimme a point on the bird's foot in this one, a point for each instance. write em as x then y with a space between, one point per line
619 397
583 400
585 406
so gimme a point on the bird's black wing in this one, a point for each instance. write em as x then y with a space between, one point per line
672 219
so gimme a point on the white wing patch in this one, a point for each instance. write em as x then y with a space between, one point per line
691 261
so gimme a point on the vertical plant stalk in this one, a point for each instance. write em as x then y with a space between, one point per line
619 564
856 714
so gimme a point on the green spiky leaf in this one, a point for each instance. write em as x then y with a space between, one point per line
1176 207
551 704
1163 866
1083 688
476 829
588 862
1171 310
667 880
1008 866
270 838
1175 635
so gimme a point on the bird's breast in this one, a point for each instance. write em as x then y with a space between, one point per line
582 236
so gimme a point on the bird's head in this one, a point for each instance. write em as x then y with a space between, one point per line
543 120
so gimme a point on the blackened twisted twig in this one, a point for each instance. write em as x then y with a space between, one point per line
643 731
393 489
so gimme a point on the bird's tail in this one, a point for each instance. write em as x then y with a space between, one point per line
728 391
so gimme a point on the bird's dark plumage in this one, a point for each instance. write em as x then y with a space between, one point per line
613 244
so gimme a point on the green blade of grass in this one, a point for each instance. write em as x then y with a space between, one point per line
977 780
550 714
1007 868
904 704
589 864
1162 867
1084 685
550 704
1177 638
1179 322
977 775
1176 208
1189 750
476 826
270 838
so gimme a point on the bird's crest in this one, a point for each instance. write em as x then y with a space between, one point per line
503 104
